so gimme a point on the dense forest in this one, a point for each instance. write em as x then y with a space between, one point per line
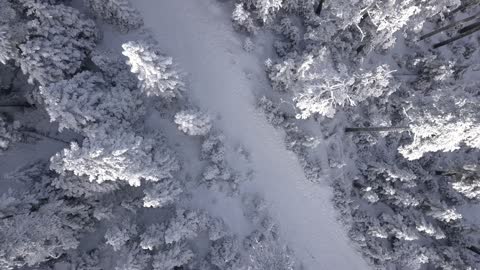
393 88
109 160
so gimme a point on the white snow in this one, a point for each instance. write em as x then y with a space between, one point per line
199 36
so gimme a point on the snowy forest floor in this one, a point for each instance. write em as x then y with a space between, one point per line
221 79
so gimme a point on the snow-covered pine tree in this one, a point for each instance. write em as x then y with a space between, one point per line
217 229
213 149
422 213
193 122
444 122
153 237
114 69
7 12
79 186
466 181
162 193
266 253
365 26
174 256
318 88
264 10
58 42
7 48
155 71
87 101
34 238
39 223
9 27
118 12
8 133
242 19
131 257
119 233
224 253
185 225
118 155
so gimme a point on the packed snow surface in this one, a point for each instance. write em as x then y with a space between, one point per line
221 78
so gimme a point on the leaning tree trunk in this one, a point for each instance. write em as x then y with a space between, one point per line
469 28
466 31
319 8
19 105
375 129
474 249
464 6
452 25
33 133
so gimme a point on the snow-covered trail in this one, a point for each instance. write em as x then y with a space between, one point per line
198 34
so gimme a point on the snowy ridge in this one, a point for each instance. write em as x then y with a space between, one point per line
203 44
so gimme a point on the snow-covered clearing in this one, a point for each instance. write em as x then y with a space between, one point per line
198 34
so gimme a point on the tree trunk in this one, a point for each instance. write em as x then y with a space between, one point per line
37 134
474 249
463 7
21 105
318 10
375 129
454 24
468 30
